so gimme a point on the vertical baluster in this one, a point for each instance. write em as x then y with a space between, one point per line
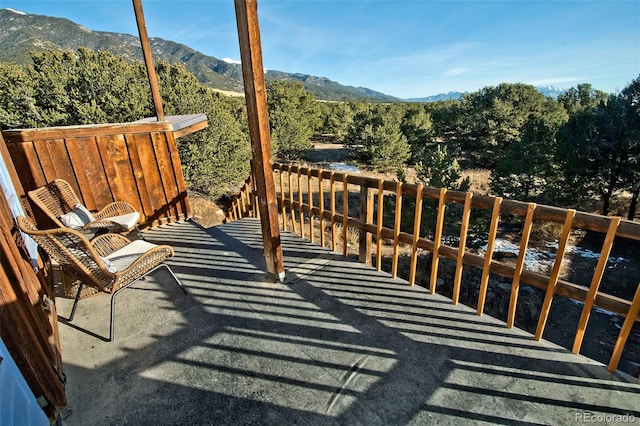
493 229
630 319
248 210
281 199
254 195
310 195
300 200
555 273
595 283
379 225
345 213
396 230
321 207
332 195
417 221
517 273
244 193
437 241
464 229
291 203
365 217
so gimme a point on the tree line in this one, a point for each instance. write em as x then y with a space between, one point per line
90 87
566 151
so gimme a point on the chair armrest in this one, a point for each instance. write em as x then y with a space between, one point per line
114 209
143 264
106 244
109 225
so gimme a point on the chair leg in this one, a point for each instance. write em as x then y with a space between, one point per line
113 296
75 302
140 233
113 310
175 278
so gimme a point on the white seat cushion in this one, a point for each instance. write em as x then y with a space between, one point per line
128 220
121 259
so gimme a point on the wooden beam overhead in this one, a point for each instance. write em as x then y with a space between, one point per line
148 59
256 99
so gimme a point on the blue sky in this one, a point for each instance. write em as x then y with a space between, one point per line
401 48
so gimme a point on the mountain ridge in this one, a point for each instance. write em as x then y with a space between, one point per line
22 32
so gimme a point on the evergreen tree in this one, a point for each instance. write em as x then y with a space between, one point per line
215 159
630 99
417 128
495 117
17 104
293 116
439 170
375 138
527 169
600 149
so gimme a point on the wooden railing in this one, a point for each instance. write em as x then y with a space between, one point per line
133 162
309 206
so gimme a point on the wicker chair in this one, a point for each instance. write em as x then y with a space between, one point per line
109 263
61 204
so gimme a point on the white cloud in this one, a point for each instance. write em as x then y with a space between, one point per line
456 71
231 61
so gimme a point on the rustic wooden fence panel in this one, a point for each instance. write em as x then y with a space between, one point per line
298 207
134 162
28 319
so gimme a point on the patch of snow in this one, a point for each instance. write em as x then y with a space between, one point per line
542 261
343 167
230 61
596 309
17 12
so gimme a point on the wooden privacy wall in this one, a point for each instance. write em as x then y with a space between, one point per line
312 203
134 162
28 319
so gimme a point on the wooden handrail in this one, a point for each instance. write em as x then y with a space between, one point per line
295 204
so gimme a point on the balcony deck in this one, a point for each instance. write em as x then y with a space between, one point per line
337 343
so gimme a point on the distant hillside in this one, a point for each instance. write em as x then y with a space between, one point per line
438 97
21 33
551 91
323 88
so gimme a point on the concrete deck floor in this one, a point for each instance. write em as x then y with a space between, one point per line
337 344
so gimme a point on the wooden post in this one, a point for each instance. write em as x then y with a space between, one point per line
148 59
256 99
